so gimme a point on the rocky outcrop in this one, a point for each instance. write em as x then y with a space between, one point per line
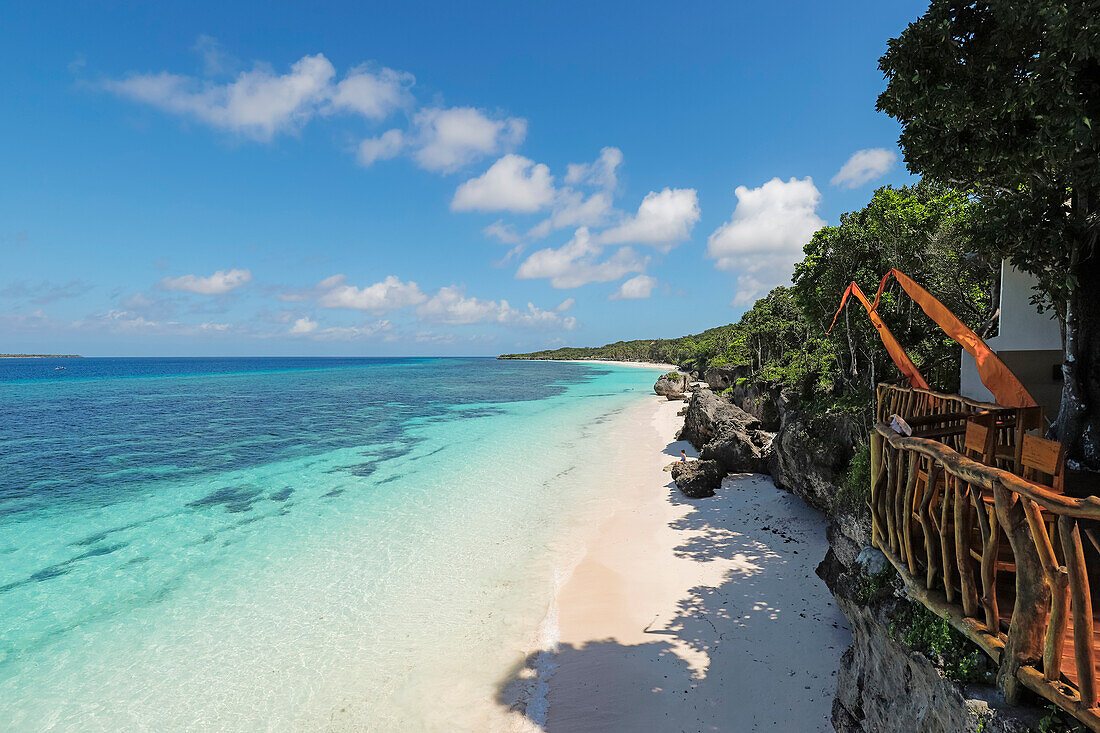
671 383
698 479
765 402
883 684
725 433
811 453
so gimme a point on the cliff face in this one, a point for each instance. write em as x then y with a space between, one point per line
884 684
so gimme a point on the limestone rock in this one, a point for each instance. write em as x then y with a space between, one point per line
811 453
671 383
698 479
725 433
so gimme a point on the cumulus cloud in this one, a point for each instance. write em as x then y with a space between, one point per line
372 94
451 305
566 305
864 166
634 288
384 147
764 238
513 183
303 325
519 185
385 295
572 209
260 103
602 173
578 262
663 220
448 139
219 283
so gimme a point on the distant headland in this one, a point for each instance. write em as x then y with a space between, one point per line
41 356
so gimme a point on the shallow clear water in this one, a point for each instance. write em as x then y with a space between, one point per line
242 544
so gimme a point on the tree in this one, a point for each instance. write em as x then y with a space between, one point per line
1001 98
925 231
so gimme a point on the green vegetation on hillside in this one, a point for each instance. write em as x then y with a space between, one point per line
924 230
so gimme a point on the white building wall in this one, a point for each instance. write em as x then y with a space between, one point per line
1022 328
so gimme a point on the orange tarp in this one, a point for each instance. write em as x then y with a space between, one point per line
997 377
892 346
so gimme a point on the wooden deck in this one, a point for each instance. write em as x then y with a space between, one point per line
969 536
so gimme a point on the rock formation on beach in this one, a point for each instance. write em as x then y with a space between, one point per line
671 384
698 479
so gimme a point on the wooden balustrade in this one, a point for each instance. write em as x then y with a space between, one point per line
1000 557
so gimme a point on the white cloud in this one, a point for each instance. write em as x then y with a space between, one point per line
513 183
303 325
764 238
258 103
572 209
663 220
451 305
387 145
219 283
603 173
503 232
382 296
448 139
577 263
864 166
349 333
634 288
566 305
215 60
124 321
374 95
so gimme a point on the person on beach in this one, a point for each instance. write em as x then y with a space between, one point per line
683 456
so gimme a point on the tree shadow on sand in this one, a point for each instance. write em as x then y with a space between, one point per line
758 651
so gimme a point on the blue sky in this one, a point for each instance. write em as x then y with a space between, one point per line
422 178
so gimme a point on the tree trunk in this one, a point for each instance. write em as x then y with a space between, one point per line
1078 422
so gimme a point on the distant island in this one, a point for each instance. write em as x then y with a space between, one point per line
41 356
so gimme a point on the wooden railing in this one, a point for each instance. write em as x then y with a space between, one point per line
1002 558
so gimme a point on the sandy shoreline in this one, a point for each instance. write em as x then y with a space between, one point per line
637 364
689 614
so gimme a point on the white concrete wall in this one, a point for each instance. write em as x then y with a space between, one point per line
1022 328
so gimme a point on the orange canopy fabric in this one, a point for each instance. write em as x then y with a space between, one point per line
997 377
893 348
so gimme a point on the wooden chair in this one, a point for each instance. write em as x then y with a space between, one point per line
979 444
1043 461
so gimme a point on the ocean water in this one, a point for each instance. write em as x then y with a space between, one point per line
285 544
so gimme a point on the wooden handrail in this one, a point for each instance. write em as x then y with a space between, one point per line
929 504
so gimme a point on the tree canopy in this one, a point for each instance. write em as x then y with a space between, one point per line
1002 99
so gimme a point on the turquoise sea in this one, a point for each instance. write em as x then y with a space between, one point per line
285 544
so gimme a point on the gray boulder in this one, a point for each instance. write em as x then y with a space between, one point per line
725 433
697 479
671 383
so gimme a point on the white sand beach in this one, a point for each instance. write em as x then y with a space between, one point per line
636 364
690 615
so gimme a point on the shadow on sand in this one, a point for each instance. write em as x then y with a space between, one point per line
757 652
